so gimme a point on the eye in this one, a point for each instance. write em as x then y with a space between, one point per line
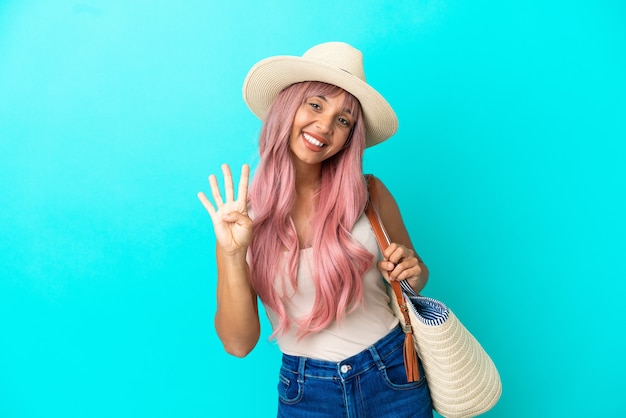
345 122
315 106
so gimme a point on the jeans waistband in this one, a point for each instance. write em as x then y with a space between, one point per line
372 356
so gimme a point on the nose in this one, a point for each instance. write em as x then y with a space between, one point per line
324 123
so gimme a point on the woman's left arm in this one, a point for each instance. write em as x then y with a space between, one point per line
401 261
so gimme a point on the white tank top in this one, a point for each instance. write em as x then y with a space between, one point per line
369 322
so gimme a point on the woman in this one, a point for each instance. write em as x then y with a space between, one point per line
301 242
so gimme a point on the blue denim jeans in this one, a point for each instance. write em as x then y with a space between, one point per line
371 383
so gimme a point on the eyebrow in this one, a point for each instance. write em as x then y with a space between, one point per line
346 110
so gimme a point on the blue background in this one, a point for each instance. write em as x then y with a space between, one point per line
508 166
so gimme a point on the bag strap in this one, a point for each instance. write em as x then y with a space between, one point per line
410 356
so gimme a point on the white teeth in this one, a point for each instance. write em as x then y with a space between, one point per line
312 140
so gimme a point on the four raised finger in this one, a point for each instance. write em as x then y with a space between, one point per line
228 183
206 203
242 192
229 189
215 191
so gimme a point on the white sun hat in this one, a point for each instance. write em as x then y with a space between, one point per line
334 63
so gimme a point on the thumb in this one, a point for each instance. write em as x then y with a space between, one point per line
238 218
383 267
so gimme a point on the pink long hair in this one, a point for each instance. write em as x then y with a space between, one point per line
338 262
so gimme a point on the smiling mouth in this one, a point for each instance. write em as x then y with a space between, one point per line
308 138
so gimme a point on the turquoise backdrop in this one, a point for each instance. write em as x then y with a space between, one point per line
509 167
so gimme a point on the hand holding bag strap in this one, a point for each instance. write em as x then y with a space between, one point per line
462 378
410 356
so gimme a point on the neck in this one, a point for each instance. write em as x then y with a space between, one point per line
308 177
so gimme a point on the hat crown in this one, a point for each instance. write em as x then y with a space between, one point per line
338 55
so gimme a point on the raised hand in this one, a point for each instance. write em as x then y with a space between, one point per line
232 225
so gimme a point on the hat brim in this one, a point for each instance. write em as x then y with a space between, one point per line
270 76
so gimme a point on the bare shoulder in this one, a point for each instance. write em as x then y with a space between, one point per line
390 215
384 200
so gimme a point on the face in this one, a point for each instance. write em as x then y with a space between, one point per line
320 129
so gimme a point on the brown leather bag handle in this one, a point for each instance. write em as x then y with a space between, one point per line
410 356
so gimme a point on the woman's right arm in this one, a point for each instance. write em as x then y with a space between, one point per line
237 317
